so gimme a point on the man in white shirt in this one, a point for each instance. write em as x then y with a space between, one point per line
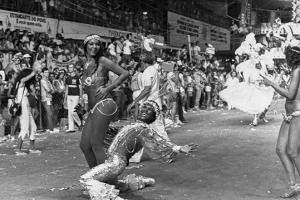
150 82
112 50
127 48
148 43
119 48
210 50
197 52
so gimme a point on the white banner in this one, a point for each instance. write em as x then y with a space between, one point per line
180 27
32 23
73 29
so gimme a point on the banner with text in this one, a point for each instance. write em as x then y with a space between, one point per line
79 30
32 23
180 27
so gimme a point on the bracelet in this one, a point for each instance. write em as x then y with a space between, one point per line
176 148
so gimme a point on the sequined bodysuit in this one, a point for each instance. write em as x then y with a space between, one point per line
125 144
93 79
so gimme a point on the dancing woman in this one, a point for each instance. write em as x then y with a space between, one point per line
288 142
100 103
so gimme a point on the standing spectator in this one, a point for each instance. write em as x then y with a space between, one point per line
189 90
200 80
183 53
148 43
112 49
119 48
208 89
2 73
127 48
46 99
72 96
26 61
136 86
58 97
180 94
196 52
27 124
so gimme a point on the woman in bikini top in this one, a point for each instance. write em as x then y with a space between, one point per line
101 106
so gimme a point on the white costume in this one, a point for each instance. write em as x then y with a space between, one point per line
250 96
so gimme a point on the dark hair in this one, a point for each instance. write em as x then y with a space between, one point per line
9 75
292 56
45 69
147 59
40 56
99 54
138 65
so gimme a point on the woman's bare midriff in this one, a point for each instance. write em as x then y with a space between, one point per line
292 106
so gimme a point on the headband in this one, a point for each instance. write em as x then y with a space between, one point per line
91 37
155 106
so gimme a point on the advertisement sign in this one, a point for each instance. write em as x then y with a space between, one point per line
180 27
74 30
32 23
71 29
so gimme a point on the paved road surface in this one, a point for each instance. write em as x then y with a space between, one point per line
234 162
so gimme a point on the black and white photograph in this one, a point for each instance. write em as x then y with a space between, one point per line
149 99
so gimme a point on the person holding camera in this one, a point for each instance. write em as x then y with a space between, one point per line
28 127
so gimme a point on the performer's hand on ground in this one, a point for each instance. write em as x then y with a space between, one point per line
188 148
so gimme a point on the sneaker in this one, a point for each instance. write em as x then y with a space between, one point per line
34 151
70 131
20 153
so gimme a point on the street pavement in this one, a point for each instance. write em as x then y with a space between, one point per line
234 161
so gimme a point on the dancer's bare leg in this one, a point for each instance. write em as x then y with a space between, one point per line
294 142
281 150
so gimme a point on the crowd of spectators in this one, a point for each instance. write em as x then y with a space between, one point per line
190 79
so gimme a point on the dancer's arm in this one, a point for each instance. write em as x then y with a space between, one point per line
111 66
289 93
157 144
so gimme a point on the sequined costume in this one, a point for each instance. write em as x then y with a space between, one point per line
126 143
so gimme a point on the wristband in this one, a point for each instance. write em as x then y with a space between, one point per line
176 148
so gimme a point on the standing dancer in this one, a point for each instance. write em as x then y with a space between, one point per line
100 103
250 95
288 142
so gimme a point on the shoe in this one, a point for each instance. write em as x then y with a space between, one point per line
265 120
20 153
34 151
70 131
